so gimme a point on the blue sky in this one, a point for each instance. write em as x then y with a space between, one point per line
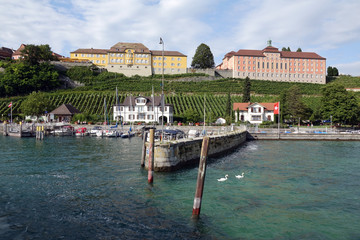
330 28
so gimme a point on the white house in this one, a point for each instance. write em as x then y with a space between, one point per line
143 109
254 112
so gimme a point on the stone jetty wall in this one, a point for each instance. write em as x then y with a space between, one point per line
176 154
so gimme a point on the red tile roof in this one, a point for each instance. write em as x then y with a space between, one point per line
167 53
91 51
121 47
284 54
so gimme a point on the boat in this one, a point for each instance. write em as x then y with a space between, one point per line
110 133
95 130
63 130
128 134
81 132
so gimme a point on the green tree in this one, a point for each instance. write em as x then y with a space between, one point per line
284 49
246 90
21 78
288 49
203 57
340 104
36 104
190 115
299 50
330 71
295 106
34 54
228 109
335 71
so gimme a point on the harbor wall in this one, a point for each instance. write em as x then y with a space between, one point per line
176 154
304 136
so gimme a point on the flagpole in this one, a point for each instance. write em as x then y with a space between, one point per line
11 113
279 121
162 92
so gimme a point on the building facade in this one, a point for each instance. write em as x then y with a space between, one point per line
274 65
143 109
255 113
133 59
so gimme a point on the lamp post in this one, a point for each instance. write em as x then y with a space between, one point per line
331 121
162 91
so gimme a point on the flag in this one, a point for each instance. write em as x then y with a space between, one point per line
161 41
10 104
276 108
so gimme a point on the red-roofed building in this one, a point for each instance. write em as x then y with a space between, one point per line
254 112
274 65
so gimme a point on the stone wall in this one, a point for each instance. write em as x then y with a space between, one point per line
304 136
174 155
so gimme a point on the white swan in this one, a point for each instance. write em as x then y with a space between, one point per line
240 176
223 179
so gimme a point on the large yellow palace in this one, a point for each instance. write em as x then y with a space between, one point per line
133 59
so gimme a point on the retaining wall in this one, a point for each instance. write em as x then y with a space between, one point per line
174 155
304 136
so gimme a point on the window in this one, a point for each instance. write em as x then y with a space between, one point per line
179 59
75 55
154 63
172 59
258 64
179 64
256 118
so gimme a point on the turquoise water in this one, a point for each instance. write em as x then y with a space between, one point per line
90 188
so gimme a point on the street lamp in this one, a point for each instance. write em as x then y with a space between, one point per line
162 92
331 121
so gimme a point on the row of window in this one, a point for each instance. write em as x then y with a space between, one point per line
290 64
172 59
281 75
166 70
276 66
91 55
140 117
255 118
278 55
165 64
142 108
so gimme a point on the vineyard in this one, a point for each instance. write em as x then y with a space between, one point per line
92 102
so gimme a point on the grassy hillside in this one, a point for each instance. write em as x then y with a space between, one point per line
183 94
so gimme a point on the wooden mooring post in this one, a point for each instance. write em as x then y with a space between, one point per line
201 178
40 132
151 157
143 156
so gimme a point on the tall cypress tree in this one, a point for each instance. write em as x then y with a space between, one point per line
246 90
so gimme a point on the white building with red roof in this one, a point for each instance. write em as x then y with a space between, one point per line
255 113
274 65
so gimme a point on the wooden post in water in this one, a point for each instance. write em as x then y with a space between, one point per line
143 156
201 178
151 157
5 128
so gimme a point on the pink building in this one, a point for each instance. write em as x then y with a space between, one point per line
274 65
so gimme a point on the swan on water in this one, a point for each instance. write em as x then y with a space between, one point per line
223 179
240 176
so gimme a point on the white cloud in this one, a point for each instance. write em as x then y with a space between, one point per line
183 24
349 68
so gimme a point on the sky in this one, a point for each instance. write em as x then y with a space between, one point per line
330 28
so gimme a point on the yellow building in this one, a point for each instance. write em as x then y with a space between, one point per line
98 57
174 62
133 59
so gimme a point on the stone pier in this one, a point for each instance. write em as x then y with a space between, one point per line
173 155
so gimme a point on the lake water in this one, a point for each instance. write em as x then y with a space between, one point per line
91 188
